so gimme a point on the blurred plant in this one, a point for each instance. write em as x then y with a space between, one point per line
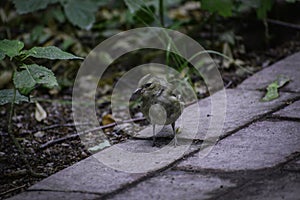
79 13
27 77
228 8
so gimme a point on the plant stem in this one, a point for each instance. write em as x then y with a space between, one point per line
161 13
10 131
267 33
14 139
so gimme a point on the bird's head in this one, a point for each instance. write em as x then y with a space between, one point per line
148 86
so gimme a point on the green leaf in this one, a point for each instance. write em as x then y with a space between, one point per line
272 89
222 7
265 6
272 92
50 52
81 13
27 6
6 96
11 48
31 76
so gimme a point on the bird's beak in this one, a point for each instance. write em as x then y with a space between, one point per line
137 91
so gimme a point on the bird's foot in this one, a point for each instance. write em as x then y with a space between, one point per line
174 142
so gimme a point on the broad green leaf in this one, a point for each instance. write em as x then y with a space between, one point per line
222 7
6 96
50 52
11 48
32 76
272 89
81 13
26 6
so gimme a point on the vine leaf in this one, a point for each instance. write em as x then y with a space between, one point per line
11 48
81 13
27 6
6 96
49 52
32 76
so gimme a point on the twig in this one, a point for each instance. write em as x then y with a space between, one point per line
61 125
281 23
75 135
228 84
13 189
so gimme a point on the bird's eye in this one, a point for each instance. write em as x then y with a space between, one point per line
148 85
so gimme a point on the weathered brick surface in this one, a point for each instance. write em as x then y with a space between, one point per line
274 187
289 67
177 185
262 144
88 175
292 111
49 195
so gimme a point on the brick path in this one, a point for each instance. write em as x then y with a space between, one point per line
257 156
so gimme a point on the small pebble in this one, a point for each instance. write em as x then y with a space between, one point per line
39 134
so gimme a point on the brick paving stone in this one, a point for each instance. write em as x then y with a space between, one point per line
292 111
145 146
138 156
289 67
261 145
276 187
243 107
48 195
177 185
88 175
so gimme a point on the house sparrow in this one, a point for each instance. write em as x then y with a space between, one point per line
159 104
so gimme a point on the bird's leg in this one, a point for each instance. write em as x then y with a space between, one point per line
153 138
174 132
